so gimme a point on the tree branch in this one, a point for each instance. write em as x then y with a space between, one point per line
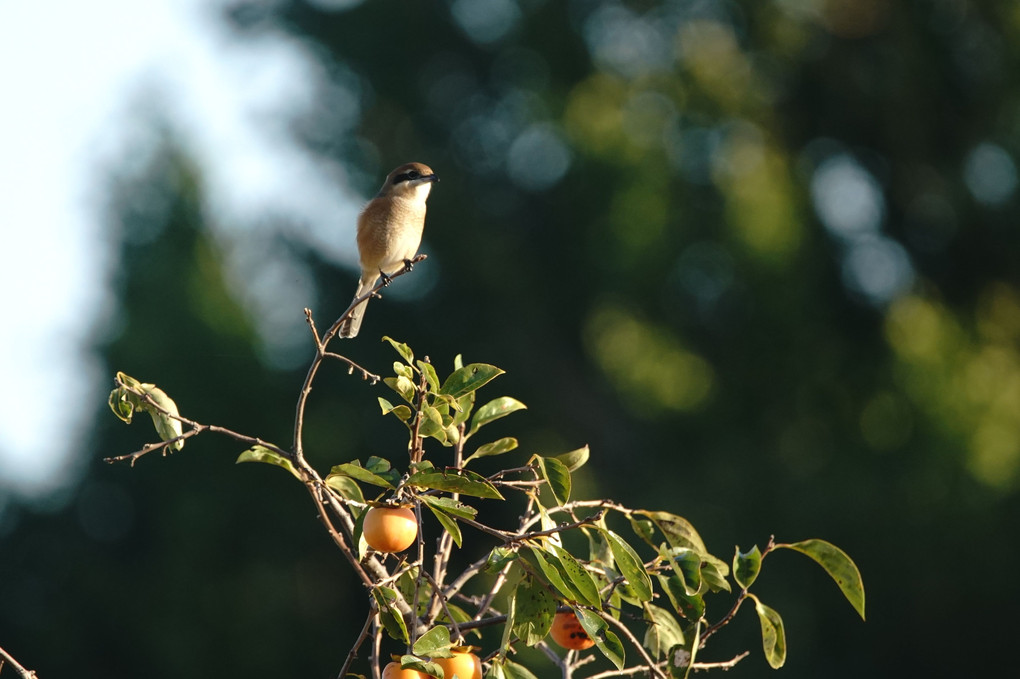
320 353
649 663
725 665
18 667
357 644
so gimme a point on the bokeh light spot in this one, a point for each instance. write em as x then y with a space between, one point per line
486 21
920 330
846 197
877 268
648 366
621 41
990 174
538 158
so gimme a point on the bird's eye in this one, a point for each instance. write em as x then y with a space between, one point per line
413 174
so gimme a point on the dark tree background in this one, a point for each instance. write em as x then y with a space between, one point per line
760 255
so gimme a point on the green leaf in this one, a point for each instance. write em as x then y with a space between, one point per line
403 370
599 552
575 459
535 610
130 396
389 615
413 662
557 476
512 670
605 640
773 636
691 606
678 531
402 349
359 535
508 626
553 575
469 378
431 423
348 488
459 614
402 412
663 633
403 386
630 566
498 558
643 528
455 481
503 445
463 407
123 402
259 453
431 377
580 578
448 522
746 566
354 470
838 565
713 572
687 566
493 410
408 584
435 643
680 658
450 506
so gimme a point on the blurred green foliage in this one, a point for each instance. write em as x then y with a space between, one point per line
760 255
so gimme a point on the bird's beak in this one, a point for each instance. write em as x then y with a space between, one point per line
434 178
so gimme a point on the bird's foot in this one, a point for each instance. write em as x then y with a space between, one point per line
386 280
408 265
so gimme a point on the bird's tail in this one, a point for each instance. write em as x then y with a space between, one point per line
350 326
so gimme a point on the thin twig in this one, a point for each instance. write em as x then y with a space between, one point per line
442 600
725 665
320 353
357 644
652 667
352 366
18 667
594 518
637 669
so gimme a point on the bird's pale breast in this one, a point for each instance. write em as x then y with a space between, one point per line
389 231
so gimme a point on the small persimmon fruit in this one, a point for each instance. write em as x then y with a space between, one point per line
390 529
464 663
393 671
567 632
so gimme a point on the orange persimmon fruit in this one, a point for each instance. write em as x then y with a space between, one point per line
567 632
464 663
390 529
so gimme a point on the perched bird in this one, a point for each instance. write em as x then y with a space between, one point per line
389 231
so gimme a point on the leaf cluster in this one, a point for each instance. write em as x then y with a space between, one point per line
639 581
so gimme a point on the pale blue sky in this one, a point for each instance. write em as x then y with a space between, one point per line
74 76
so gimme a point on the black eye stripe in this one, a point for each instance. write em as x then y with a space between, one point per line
406 176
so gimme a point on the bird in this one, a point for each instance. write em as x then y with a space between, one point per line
389 232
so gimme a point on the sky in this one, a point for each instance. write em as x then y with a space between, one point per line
74 78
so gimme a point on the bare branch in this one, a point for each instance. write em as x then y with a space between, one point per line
442 599
649 663
358 642
725 665
320 354
18 667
